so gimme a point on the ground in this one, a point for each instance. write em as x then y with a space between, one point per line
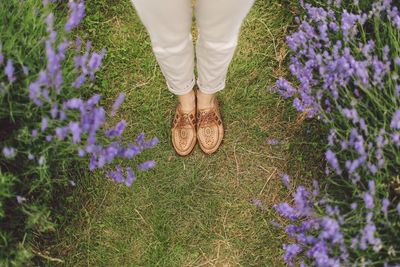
196 210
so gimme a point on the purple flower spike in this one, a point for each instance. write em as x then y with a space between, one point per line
81 152
49 19
291 252
130 177
53 111
117 103
275 224
286 180
41 160
150 143
369 201
146 165
76 15
76 130
9 70
371 186
117 130
45 122
25 70
330 156
95 62
140 138
385 205
395 123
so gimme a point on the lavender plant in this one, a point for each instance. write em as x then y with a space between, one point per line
345 58
46 127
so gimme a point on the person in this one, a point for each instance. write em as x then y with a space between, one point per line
168 22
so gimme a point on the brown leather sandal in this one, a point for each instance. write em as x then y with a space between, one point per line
210 130
184 131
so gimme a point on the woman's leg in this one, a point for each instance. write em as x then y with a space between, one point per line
168 23
219 24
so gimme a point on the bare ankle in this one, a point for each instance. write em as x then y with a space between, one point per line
187 101
205 101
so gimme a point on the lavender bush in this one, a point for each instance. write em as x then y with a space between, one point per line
346 61
47 130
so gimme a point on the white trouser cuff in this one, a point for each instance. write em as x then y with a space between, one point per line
206 90
184 90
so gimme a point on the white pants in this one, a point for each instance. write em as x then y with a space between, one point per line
169 24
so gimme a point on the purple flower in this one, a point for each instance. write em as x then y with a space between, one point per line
45 122
9 70
291 252
92 162
53 111
94 100
150 143
286 211
146 165
61 132
77 11
8 152
331 230
79 81
286 180
385 205
369 201
74 103
395 123
49 19
117 175
81 152
31 156
25 70
258 203
117 103
72 183
130 177
330 156
95 62
371 186
20 199
275 224
117 130
76 130
41 160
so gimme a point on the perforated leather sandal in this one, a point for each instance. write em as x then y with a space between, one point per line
184 131
210 130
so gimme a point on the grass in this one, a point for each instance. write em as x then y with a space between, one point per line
197 210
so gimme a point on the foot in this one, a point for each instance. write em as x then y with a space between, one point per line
187 101
210 130
205 101
184 128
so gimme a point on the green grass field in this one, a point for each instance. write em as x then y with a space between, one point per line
197 210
